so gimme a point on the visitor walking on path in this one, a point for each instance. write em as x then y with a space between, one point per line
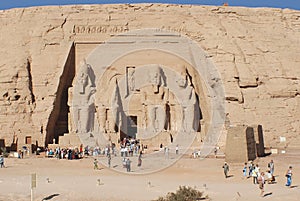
128 163
2 161
109 159
177 150
271 167
167 152
288 175
245 170
250 169
216 151
226 169
95 164
261 183
140 160
255 174
270 178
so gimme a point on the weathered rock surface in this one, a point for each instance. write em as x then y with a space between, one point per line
256 51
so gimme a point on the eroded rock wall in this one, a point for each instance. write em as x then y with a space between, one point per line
256 51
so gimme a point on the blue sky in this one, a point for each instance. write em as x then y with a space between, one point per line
293 4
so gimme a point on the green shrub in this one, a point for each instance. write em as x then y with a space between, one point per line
183 194
4 152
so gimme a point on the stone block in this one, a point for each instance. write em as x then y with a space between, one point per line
259 140
69 140
240 144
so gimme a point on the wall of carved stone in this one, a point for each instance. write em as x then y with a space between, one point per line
256 51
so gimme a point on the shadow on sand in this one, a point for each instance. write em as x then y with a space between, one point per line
267 194
50 197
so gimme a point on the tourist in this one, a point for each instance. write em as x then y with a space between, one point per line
216 151
270 177
126 151
50 153
69 154
261 182
177 150
113 149
288 175
86 150
81 150
250 168
62 154
255 174
122 151
95 164
226 169
195 154
271 167
57 152
198 153
124 162
140 160
166 152
106 151
245 170
38 150
109 160
128 162
2 161
20 154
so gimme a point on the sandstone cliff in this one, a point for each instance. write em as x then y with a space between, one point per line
256 51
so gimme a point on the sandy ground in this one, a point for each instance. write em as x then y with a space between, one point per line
76 180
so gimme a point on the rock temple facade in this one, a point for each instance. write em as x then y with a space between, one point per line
94 74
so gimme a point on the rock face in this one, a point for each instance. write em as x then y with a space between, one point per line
255 51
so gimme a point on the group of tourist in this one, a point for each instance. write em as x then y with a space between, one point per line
261 177
127 164
78 153
22 152
64 153
129 147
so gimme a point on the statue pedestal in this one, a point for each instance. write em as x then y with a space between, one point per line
69 140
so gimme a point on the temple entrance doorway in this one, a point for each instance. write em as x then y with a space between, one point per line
132 126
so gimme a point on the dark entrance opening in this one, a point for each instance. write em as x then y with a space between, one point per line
132 126
28 140
58 120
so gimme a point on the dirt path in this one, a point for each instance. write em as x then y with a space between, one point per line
76 180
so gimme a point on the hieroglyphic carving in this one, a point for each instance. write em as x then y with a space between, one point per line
95 29
179 29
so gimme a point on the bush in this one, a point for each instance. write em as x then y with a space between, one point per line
4 152
183 194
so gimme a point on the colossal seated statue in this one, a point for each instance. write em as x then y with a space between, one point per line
156 100
189 103
83 101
